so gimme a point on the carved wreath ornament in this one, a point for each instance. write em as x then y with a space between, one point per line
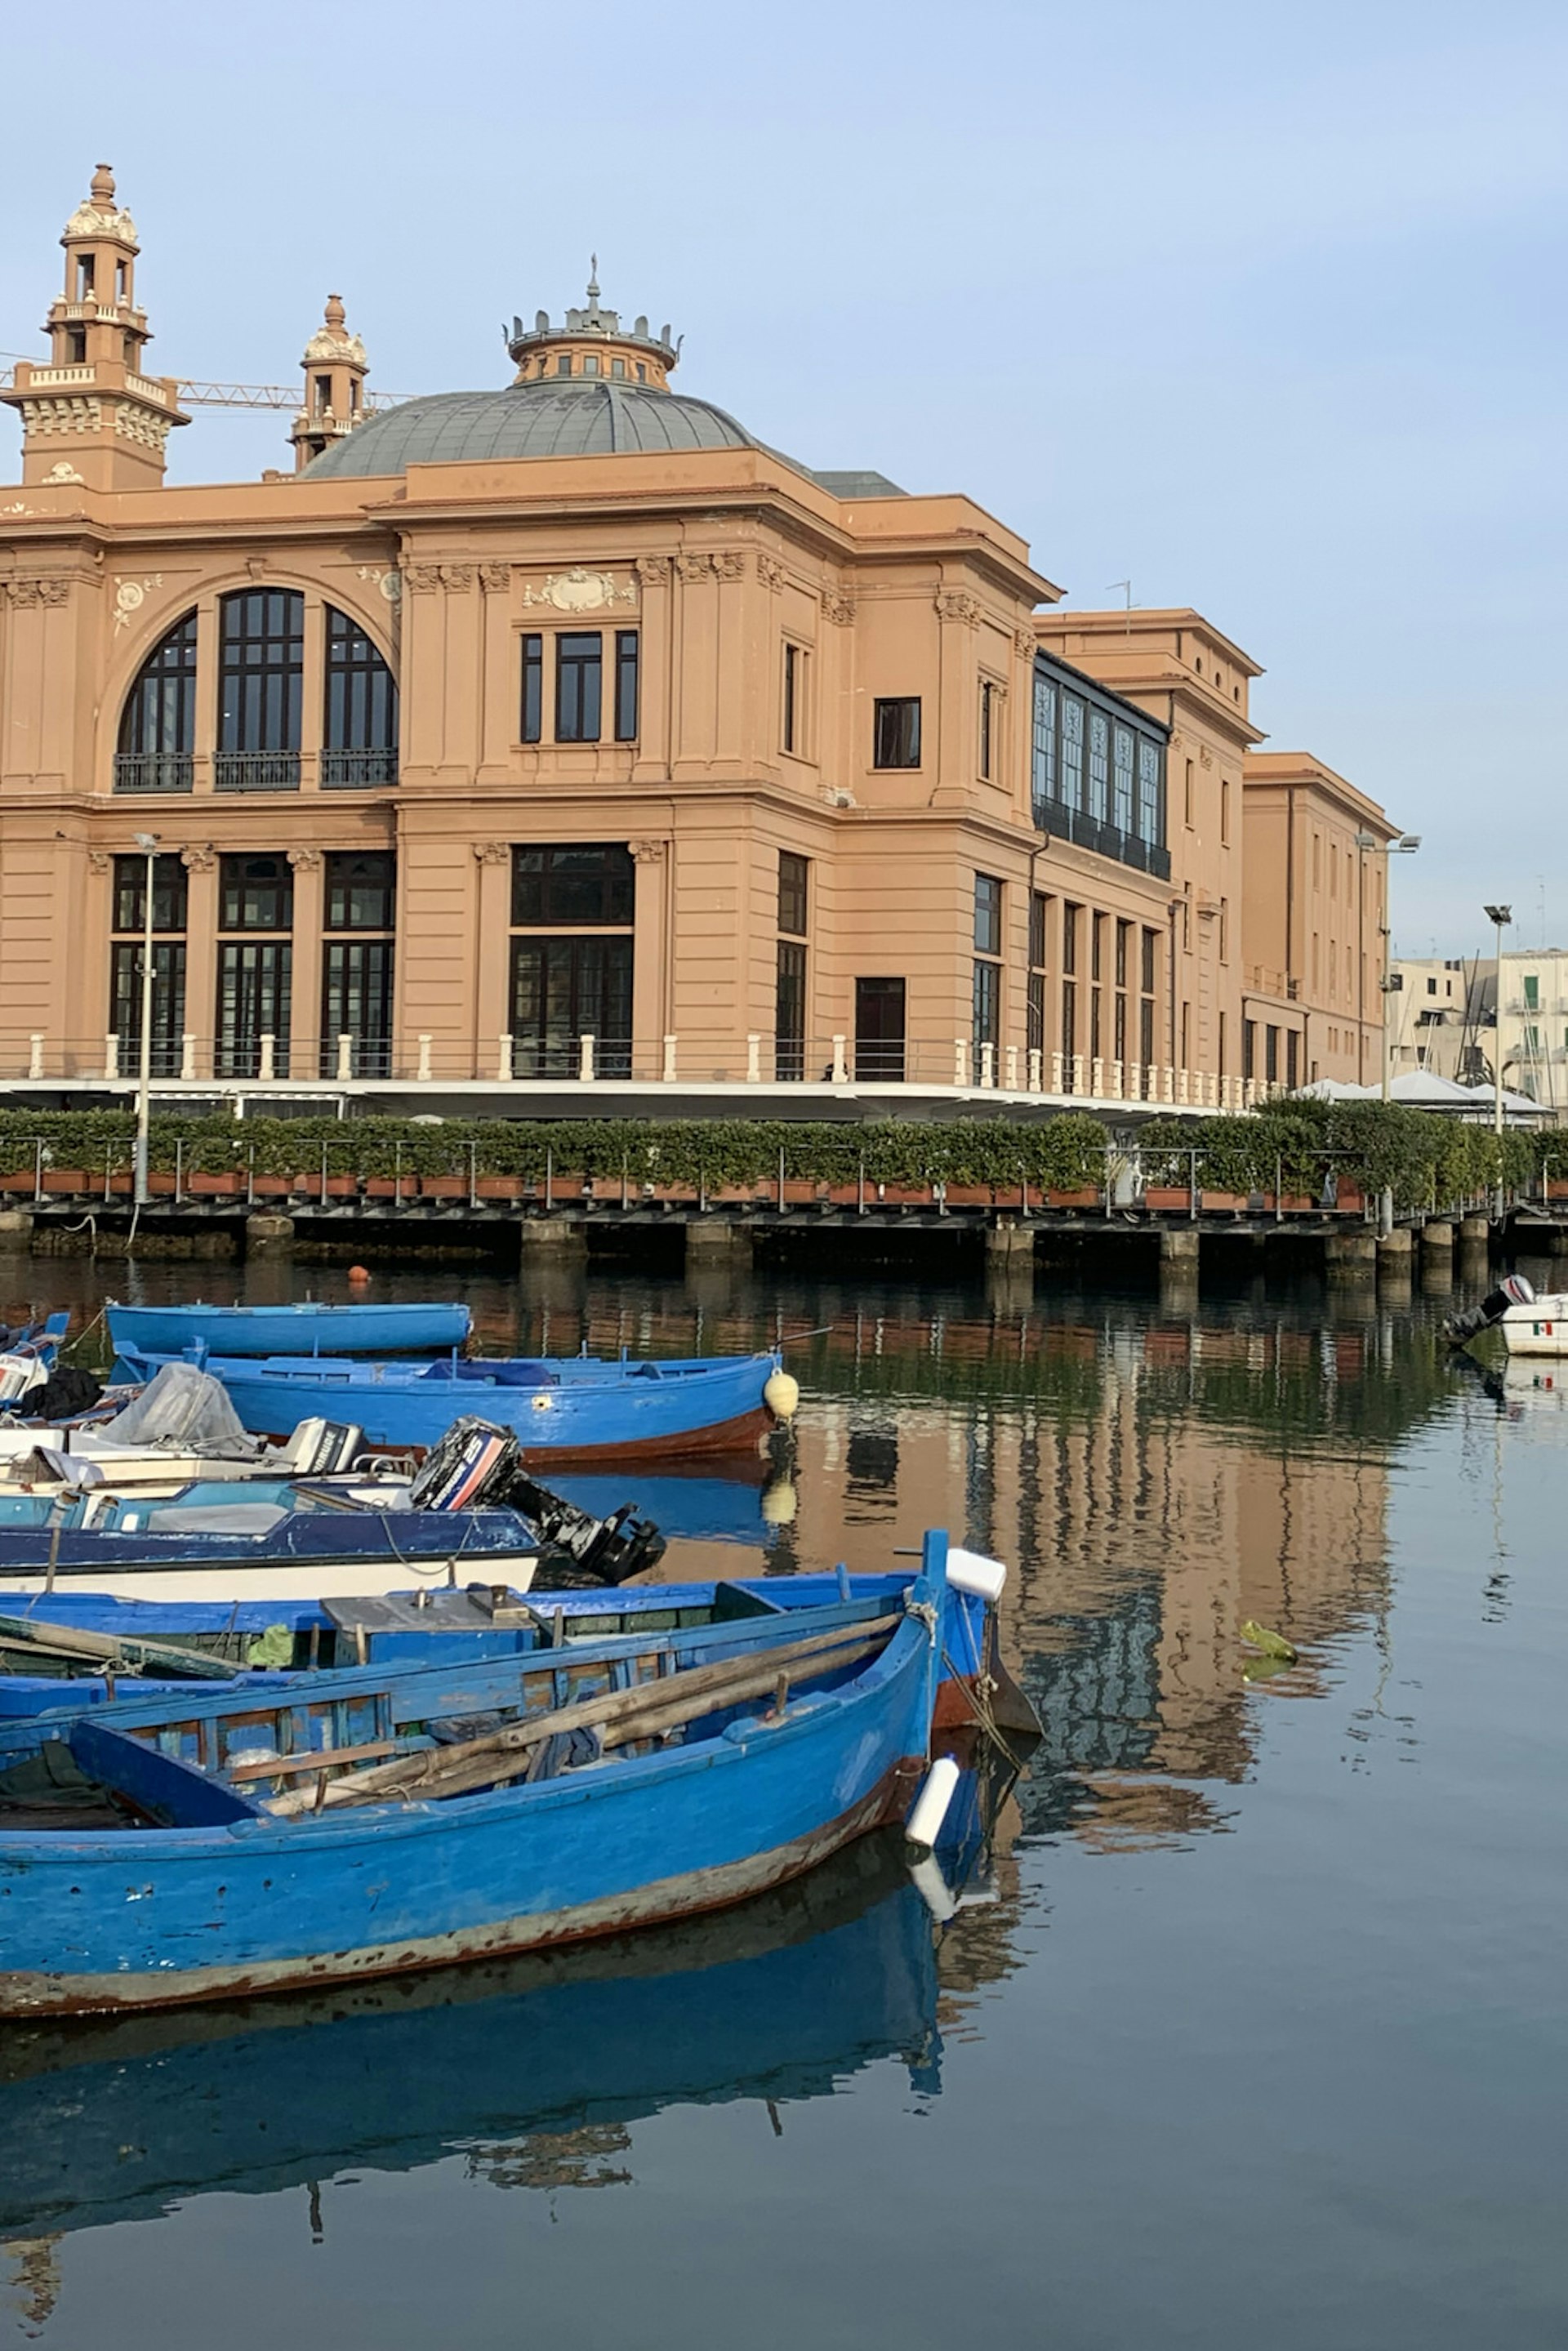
579 590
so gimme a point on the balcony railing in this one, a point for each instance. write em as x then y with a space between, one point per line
256 771
348 771
1087 831
152 771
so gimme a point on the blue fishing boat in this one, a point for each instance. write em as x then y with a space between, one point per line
568 1408
309 1327
266 1852
119 2118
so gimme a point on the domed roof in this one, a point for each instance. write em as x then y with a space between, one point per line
567 417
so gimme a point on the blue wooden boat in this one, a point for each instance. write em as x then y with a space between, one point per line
355 1868
309 1327
784 1998
570 1408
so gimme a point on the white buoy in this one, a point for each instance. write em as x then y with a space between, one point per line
968 1571
933 1889
782 1394
929 1811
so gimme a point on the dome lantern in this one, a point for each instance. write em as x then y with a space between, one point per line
592 343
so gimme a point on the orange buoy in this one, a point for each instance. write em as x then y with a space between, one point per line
359 1273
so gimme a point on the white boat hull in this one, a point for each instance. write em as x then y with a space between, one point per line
1538 1328
349 1579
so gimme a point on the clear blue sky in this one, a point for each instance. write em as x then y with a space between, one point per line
1259 305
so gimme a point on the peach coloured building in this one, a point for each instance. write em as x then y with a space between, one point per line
564 735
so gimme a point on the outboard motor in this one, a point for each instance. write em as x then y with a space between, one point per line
1512 1290
476 1466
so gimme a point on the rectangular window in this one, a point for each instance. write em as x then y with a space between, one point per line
1068 1027
1119 1044
1151 950
1271 1054
1070 915
792 879
792 665
564 989
1146 1031
1099 766
579 685
626 656
533 717
990 712
1151 824
1187 798
261 666
1121 801
165 1059
1037 914
359 732
1292 1059
789 1013
1249 1048
588 883
255 979
1531 991
987 1008
896 731
357 1003
360 892
1224 930
1072 751
1096 947
169 896
1043 746
1225 808
1038 905
255 894
1124 933
880 1029
987 914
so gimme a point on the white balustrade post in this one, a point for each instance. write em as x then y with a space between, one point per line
585 1045
754 1061
987 1063
669 1073
36 1058
1115 1081
1057 1073
504 1063
1097 1078
840 1062
1136 1081
187 1056
425 1042
268 1065
1035 1060
112 1056
345 1057
1078 1073
960 1061
1010 1060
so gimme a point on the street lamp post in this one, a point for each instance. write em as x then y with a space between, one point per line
147 844
1392 983
1500 918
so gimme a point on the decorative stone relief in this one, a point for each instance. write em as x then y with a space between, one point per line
380 576
100 860
257 565
957 604
840 609
142 425
580 590
692 565
458 577
82 414
421 578
770 572
58 476
647 853
1025 641
653 570
130 595
41 591
305 860
494 579
730 565
1205 756
200 861
493 853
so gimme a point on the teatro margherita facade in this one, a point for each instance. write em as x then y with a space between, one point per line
563 732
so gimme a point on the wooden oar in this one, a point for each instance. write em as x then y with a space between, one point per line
619 1716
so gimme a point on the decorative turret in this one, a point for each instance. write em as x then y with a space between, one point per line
592 343
90 414
334 371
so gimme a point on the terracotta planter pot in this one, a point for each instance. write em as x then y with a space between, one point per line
66 1179
214 1187
273 1187
443 1187
1090 1198
502 1187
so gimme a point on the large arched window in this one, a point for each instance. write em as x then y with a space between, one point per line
261 665
157 726
358 731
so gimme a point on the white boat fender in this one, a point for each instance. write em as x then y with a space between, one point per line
968 1571
933 1889
929 1809
781 1395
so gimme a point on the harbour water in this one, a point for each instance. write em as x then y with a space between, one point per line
1250 2027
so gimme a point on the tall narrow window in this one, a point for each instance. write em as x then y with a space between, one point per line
158 724
256 898
1042 747
791 731
359 741
1072 751
357 969
1187 796
576 983
1225 808
1122 794
990 712
261 668
579 685
1292 1059
533 710
789 1001
1037 906
896 731
988 970
1120 1033
1151 824
1148 968
1099 766
626 685
168 903
880 1020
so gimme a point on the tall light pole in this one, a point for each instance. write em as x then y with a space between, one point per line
147 844
1364 842
1499 917
1391 983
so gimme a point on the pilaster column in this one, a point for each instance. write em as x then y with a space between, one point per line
501 678
312 691
493 956
305 987
652 996
950 750
201 952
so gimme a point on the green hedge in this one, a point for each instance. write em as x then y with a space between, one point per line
1425 1160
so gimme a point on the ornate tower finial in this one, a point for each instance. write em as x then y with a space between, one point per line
334 371
593 277
592 343
91 414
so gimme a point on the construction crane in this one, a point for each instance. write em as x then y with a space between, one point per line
232 395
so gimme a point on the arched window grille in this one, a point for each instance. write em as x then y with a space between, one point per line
157 726
261 665
359 735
